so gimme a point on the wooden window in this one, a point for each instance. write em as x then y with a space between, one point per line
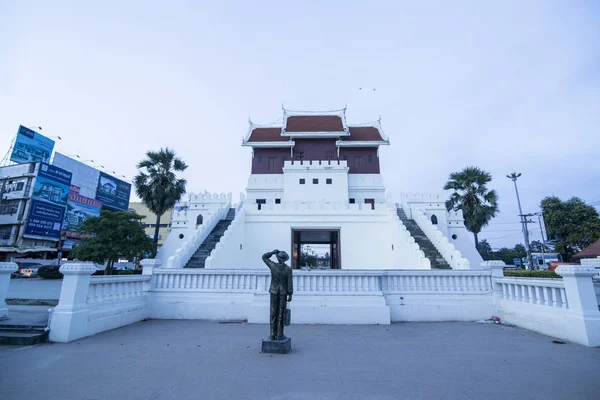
302 181
370 158
329 181
259 159
358 162
300 155
352 201
277 201
329 155
315 181
272 162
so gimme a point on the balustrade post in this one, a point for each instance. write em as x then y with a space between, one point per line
70 316
497 272
582 311
6 268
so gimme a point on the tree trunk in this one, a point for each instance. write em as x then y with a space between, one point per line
108 270
476 240
156 229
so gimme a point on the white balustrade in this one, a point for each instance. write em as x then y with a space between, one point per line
543 292
189 247
441 243
102 289
332 281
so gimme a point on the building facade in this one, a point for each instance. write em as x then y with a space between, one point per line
149 221
316 191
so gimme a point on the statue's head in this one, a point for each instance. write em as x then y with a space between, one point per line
282 256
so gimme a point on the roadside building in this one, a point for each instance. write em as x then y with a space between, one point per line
150 221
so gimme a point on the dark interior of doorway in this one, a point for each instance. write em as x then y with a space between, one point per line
316 248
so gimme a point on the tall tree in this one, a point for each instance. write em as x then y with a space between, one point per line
157 184
115 234
471 195
571 224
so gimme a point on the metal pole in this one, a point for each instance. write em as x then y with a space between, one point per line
543 241
514 177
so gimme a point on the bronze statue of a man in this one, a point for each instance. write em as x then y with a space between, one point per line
281 290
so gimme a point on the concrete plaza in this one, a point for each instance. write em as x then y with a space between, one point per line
208 360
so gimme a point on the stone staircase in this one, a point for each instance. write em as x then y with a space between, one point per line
434 256
198 259
23 335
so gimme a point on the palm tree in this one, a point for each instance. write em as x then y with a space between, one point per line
158 186
471 195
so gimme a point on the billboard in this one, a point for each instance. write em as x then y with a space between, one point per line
52 184
84 176
48 203
45 220
31 146
79 208
113 192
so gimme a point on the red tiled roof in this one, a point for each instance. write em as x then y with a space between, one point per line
593 250
314 123
364 134
266 135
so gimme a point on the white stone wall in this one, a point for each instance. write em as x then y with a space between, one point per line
337 171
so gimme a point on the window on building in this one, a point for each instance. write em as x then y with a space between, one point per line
277 201
260 202
302 181
9 207
283 160
299 155
329 181
434 219
199 220
259 160
329 155
371 202
5 232
370 159
352 201
345 158
358 162
315 181
272 162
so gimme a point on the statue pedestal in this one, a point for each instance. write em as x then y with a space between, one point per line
277 346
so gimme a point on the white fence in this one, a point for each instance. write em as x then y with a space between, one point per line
564 308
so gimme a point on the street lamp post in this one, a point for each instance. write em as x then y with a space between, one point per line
513 176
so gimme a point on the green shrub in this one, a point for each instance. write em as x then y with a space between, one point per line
48 272
123 272
532 274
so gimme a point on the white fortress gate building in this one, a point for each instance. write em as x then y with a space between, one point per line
315 190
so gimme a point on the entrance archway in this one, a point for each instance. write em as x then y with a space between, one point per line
316 248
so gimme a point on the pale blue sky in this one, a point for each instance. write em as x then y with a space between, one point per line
505 85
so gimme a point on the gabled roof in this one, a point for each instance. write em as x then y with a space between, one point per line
265 135
593 250
314 123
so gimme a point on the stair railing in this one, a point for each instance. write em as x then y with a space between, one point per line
189 247
452 256
228 251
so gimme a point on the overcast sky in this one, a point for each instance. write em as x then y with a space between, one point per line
506 86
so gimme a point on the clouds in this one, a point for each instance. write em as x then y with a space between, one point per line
508 86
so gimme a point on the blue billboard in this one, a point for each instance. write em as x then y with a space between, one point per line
113 192
52 184
45 220
48 202
31 146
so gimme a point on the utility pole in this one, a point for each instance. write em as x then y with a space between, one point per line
540 216
513 177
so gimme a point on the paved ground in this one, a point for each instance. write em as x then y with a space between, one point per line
207 360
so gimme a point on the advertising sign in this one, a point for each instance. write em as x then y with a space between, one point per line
79 208
48 203
84 176
113 193
45 220
31 146
52 184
